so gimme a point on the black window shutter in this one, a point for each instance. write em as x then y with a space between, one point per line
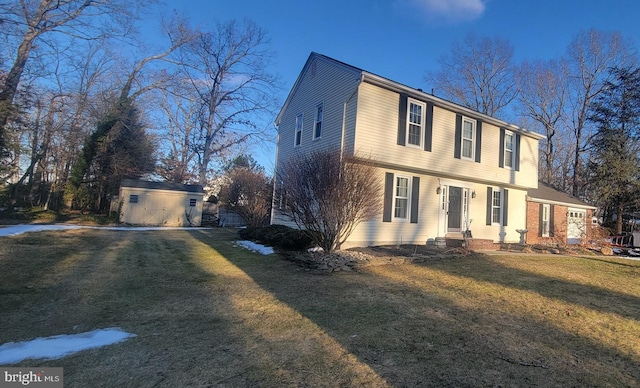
489 203
428 128
402 120
551 222
388 197
517 164
478 140
501 160
415 193
505 207
458 137
540 219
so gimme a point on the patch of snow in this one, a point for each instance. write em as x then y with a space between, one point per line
315 249
60 345
250 245
15 230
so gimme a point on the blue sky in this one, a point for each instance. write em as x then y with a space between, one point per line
403 39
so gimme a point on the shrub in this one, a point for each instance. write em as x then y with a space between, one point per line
277 236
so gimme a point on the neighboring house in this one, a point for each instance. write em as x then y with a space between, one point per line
160 203
445 168
554 217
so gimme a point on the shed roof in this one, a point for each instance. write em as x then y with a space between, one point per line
161 186
546 193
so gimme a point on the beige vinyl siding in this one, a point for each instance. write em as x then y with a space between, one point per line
431 223
326 83
376 232
377 131
160 207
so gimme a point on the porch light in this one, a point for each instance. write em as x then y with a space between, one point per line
438 190
473 194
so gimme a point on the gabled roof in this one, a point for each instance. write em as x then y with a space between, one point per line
161 186
547 194
401 88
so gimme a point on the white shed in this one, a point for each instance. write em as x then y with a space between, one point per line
160 203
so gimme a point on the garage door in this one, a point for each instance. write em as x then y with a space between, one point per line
576 226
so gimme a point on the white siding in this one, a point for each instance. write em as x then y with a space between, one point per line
323 82
377 131
430 223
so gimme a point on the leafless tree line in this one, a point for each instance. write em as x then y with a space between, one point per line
550 96
68 67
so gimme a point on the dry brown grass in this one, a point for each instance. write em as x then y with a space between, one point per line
210 314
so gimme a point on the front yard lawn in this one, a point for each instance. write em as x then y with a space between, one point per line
209 313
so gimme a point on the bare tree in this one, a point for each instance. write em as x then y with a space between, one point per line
477 73
248 193
328 195
543 93
228 69
590 56
29 20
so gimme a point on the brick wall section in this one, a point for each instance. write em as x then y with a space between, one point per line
560 224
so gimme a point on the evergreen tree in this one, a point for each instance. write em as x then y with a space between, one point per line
614 166
119 148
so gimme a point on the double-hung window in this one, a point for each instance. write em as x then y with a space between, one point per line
415 122
508 149
401 198
317 127
298 133
496 207
468 138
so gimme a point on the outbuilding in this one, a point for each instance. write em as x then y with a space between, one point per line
160 203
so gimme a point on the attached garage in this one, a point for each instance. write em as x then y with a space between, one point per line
160 203
554 217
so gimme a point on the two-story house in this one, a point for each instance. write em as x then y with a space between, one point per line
446 168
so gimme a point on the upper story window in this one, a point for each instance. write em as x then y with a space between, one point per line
468 138
496 207
192 202
415 122
298 133
509 149
401 198
317 127
133 198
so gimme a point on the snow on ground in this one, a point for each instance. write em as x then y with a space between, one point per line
250 245
60 345
15 230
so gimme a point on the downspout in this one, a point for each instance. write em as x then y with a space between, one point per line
275 176
344 115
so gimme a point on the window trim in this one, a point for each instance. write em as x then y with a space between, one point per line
512 150
500 206
407 216
423 111
319 108
474 125
297 130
